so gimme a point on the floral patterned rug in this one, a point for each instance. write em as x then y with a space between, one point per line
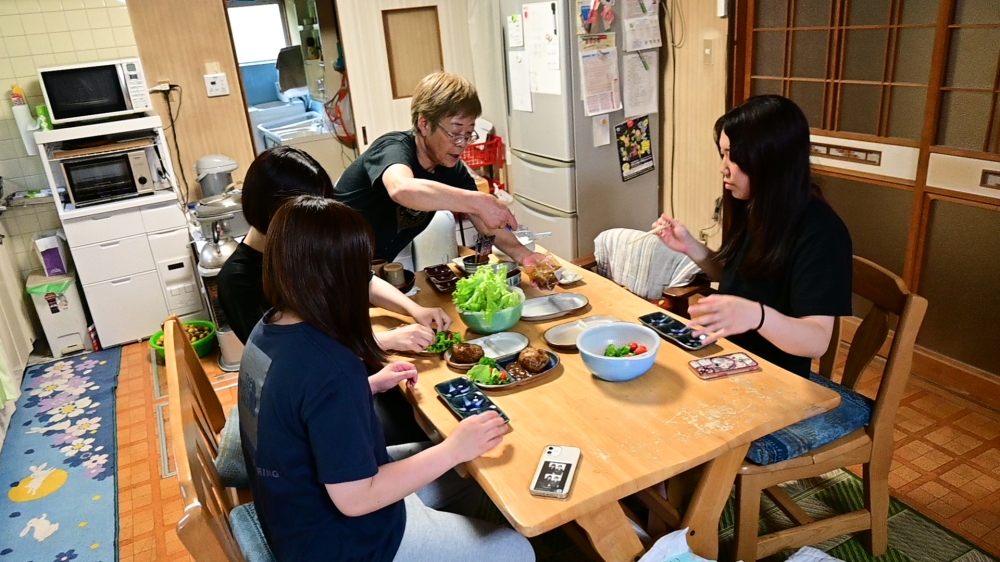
59 462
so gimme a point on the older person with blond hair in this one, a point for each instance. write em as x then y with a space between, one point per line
404 177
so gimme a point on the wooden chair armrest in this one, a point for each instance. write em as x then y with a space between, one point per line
588 262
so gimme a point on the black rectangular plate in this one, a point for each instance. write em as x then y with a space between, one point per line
464 399
672 329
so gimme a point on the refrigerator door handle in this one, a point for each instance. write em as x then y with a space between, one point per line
539 161
544 209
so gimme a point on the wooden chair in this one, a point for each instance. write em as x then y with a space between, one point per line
871 446
213 527
674 299
223 433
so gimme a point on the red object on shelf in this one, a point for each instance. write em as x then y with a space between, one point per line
484 154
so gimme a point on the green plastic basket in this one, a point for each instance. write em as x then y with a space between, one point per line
202 347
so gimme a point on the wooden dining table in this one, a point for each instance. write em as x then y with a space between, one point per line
633 435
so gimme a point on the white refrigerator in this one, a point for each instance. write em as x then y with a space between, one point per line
561 181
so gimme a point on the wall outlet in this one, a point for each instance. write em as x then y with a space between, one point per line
217 85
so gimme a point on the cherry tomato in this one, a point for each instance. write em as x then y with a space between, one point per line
639 350
632 346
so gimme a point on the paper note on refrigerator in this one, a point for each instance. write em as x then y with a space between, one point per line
642 33
602 130
515 31
639 83
601 87
639 8
520 82
541 43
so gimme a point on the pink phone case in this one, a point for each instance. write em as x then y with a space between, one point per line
723 366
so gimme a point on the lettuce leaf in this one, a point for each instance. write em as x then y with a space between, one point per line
484 291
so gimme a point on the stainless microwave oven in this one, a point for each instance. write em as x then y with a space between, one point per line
94 91
102 178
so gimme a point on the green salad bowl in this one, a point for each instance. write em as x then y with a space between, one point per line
502 320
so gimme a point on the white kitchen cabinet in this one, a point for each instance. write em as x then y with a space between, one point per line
132 255
126 309
112 259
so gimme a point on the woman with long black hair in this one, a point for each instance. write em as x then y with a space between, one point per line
785 270
325 487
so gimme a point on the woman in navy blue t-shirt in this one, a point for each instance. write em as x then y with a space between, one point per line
325 487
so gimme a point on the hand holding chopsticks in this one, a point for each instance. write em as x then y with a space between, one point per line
652 232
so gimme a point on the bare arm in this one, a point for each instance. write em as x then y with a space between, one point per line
428 195
722 316
676 236
382 294
396 480
505 240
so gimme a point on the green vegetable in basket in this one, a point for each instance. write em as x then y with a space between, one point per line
443 341
484 291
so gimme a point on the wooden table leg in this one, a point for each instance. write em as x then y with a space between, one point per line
611 534
710 496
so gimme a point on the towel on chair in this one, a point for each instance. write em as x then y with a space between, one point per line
291 69
645 268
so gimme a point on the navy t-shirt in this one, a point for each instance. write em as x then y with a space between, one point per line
815 281
307 419
361 188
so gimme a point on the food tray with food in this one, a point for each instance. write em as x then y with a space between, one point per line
529 366
503 344
464 399
553 306
564 335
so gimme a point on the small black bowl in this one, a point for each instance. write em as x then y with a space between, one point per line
408 280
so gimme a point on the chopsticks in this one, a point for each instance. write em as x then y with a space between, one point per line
650 233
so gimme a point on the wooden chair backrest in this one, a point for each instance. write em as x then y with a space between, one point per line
204 529
889 296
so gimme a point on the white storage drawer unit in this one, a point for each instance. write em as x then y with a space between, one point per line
103 227
126 309
116 258
162 217
135 265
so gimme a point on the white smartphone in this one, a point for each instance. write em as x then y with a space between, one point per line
554 475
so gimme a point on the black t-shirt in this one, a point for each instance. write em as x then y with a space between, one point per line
241 290
816 281
307 419
361 188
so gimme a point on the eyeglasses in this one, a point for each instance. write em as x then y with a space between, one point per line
460 140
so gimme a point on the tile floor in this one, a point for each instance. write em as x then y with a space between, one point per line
947 461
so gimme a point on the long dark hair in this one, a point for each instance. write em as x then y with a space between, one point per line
317 265
769 141
277 175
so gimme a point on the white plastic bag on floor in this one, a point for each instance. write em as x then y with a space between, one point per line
672 548
810 554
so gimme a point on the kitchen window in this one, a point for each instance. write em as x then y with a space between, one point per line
258 28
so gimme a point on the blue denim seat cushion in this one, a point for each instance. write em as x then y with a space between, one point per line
249 535
230 463
854 412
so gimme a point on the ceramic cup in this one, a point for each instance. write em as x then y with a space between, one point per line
378 267
394 274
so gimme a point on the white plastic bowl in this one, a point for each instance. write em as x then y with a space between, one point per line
592 343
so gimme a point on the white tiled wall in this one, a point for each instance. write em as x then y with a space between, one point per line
40 33
21 224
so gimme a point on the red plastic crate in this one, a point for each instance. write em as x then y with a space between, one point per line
484 154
